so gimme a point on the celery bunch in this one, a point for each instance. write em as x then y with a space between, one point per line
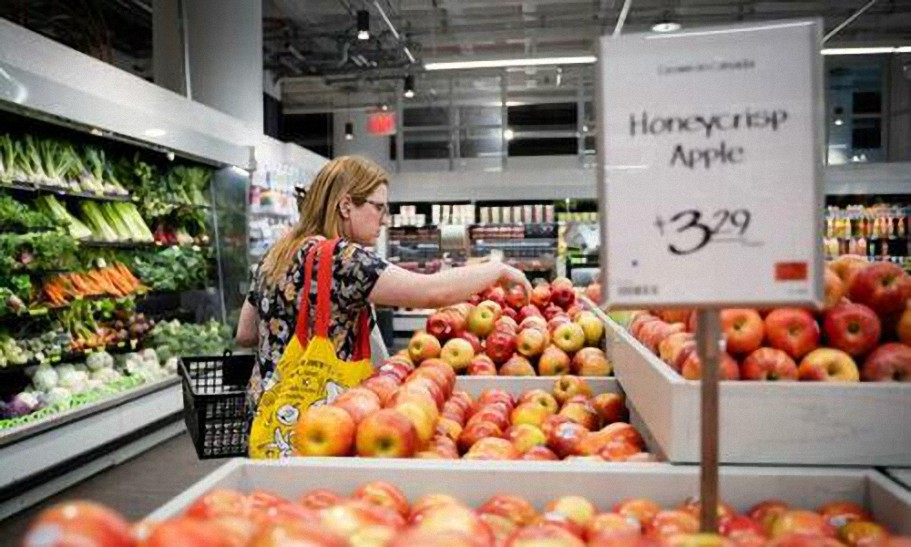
115 222
50 206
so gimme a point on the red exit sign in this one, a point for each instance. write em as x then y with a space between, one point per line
381 123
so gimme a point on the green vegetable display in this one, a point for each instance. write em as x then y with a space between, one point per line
36 252
173 339
17 217
172 269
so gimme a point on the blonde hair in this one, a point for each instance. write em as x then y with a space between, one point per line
319 209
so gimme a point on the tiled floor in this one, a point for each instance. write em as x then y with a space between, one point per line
135 488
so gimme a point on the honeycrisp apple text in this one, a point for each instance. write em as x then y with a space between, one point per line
716 125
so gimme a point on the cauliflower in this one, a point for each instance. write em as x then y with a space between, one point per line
100 360
57 395
74 381
149 355
45 378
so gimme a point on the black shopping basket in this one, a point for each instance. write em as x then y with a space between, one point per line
214 403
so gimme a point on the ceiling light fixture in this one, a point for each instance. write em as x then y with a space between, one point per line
666 26
409 86
363 25
154 132
865 50
506 63
509 134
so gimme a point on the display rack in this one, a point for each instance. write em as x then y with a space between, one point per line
877 227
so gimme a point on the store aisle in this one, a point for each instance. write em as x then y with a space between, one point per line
135 488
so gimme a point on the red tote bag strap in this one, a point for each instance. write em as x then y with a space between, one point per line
302 328
326 257
362 350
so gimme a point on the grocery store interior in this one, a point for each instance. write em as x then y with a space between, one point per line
153 151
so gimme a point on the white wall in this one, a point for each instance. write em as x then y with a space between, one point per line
369 146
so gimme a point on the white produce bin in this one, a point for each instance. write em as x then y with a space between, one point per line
474 482
788 423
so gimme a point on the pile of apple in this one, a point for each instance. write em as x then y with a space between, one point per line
404 412
378 514
546 333
865 320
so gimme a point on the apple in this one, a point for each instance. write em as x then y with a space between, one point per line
453 517
501 527
544 534
569 337
768 364
530 414
443 377
700 539
516 297
386 434
475 342
359 402
397 369
862 533
638 323
474 432
448 427
495 307
553 311
320 499
383 494
539 453
534 322
445 447
384 386
575 508
492 448
428 502
506 324
590 362
554 362
839 513
525 437
527 312
793 331
352 515
903 327
496 294
495 414
574 310
482 365
457 352
531 342
419 537
445 324
517 509
847 266
692 367
423 422
324 431
611 407
517 366
743 330
835 289
734 525
883 286
178 531
561 294
671 346
765 513
605 525
693 506
481 320
78 523
655 332
492 396
804 540
641 510
801 522
889 362
423 387
829 365
540 295
581 413
500 346
511 313
423 346
556 320
565 439
567 386
852 328
612 434
592 327
669 523
540 397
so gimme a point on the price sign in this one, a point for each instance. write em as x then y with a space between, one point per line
711 168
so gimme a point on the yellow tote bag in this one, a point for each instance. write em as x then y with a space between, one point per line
309 372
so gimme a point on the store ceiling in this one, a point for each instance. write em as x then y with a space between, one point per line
311 45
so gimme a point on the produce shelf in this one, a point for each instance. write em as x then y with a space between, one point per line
75 356
30 448
47 189
473 482
788 423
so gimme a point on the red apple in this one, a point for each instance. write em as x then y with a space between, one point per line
528 311
638 323
492 448
539 453
577 509
669 523
591 362
517 366
562 295
516 297
554 362
319 499
804 540
852 328
496 294
739 525
692 367
540 398
475 432
611 407
652 334
793 331
495 414
544 534
835 289
384 386
500 346
514 508
423 346
79 523
581 413
828 365
801 522
525 437
839 513
492 396
482 365
567 386
889 362
641 510
445 324
324 431
540 295
397 369
553 311
386 434
383 494
861 533
359 402
903 327
768 364
475 342
882 286
765 513
743 330
565 439
847 266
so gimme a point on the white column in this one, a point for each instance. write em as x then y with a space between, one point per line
225 45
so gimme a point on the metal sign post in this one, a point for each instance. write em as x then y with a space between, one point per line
708 338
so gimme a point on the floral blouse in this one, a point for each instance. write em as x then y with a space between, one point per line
355 271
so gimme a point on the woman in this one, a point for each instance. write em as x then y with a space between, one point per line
348 200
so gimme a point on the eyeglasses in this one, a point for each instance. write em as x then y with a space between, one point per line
381 208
